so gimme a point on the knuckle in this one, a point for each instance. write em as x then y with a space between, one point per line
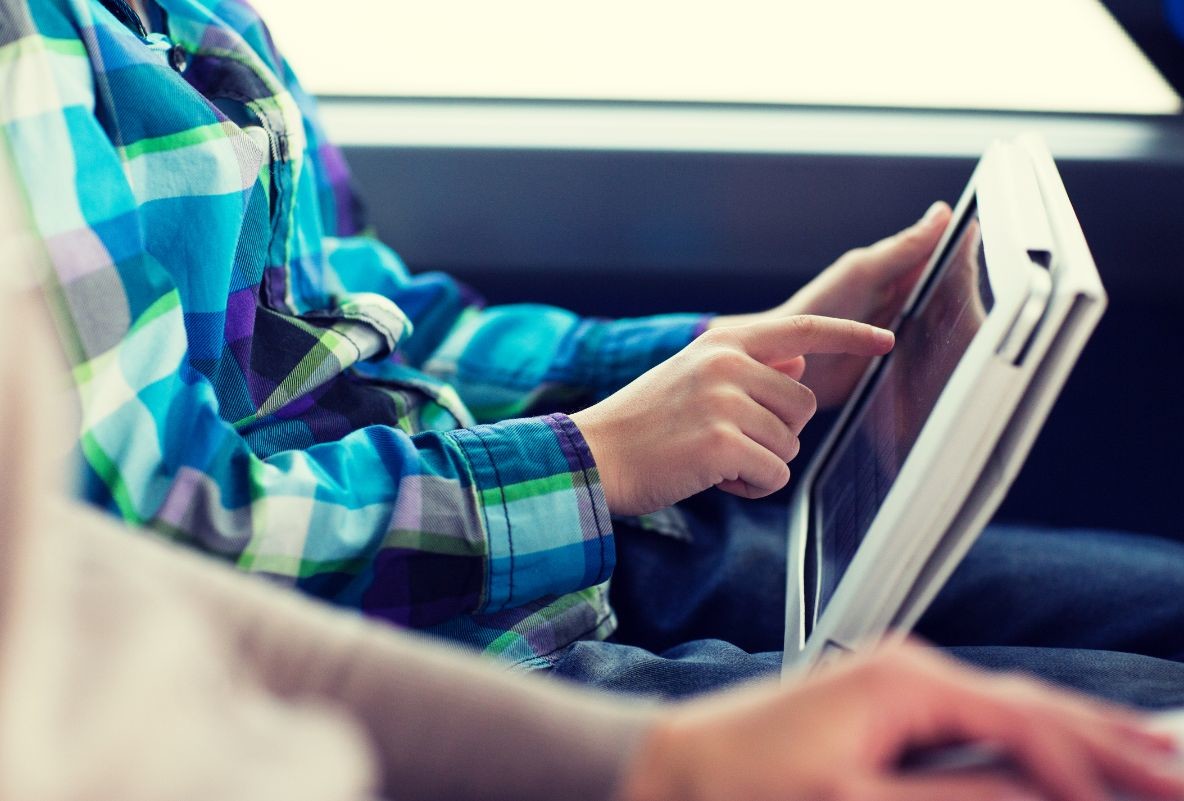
894 664
804 325
881 674
914 658
709 338
716 338
722 403
1021 722
718 437
721 362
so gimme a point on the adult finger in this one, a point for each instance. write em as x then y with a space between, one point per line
1135 730
935 699
1059 764
1127 762
1117 724
777 341
1067 749
1115 740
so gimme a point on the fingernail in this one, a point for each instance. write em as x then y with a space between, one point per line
885 338
932 213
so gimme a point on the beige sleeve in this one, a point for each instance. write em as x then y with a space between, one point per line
131 669
444 724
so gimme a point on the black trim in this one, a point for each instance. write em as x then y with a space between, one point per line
1146 22
122 11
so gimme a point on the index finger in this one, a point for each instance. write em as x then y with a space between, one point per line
777 341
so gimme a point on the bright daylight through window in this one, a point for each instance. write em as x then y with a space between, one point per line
1048 55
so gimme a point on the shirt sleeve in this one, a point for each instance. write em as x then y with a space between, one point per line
513 737
417 529
510 360
504 361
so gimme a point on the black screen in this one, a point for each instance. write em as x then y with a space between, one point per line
930 340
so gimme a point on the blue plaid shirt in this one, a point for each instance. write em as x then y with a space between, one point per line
260 377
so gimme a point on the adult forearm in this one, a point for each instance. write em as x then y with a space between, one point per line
444 725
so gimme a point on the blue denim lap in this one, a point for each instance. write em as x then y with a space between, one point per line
1097 611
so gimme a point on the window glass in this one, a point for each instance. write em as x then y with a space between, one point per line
1051 55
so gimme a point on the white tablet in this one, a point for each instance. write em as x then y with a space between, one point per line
935 433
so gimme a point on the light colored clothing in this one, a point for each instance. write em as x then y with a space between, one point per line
131 670
259 377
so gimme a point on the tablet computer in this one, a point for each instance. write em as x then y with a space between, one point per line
936 431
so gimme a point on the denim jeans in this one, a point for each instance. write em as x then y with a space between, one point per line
1102 612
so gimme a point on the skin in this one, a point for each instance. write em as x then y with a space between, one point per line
717 413
727 412
868 284
838 735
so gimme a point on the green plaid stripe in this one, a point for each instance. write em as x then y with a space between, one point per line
260 377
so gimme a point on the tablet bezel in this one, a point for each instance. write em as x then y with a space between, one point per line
977 403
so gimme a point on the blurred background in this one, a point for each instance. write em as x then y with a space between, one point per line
633 157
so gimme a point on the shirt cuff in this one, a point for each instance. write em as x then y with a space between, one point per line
545 516
618 351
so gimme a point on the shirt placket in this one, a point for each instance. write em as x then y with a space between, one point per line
231 71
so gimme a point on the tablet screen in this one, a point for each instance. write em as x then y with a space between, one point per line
930 340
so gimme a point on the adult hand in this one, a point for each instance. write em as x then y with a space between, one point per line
726 411
841 733
867 284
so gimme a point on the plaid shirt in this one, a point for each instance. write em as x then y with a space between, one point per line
260 377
